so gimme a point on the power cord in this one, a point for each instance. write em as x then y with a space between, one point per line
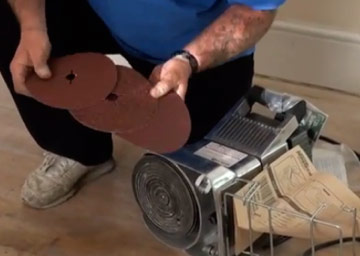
331 141
282 239
329 244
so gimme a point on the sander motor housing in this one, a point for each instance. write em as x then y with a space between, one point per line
183 194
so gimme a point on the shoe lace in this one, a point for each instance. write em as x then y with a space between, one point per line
54 162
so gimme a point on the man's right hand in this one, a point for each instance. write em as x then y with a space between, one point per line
31 55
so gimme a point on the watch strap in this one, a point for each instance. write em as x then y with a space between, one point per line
188 56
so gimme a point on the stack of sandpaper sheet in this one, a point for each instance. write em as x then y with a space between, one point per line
115 99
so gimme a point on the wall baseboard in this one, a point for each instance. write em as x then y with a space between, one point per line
311 55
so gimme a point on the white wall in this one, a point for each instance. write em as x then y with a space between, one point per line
333 14
315 42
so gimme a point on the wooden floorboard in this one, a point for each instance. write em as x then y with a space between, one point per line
103 218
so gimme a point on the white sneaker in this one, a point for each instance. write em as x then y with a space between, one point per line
58 179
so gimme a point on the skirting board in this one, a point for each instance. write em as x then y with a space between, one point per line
311 55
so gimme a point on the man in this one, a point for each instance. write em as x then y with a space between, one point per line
201 49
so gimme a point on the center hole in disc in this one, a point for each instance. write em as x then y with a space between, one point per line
71 76
112 97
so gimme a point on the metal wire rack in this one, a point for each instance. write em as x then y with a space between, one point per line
248 200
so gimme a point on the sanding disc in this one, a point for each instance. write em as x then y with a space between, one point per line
168 130
78 81
128 108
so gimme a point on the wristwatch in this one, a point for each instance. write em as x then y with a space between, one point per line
186 55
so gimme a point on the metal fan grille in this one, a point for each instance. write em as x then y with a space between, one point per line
166 200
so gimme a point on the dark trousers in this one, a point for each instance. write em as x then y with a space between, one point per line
74 27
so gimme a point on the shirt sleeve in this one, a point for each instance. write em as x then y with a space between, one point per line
260 4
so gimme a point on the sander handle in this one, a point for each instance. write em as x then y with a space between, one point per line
257 95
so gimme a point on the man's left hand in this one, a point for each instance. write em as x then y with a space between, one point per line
173 75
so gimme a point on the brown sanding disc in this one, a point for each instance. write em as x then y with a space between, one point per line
78 81
128 108
169 129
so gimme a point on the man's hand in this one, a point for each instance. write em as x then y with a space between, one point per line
31 55
171 76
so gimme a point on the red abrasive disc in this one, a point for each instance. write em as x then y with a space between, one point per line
78 81
168 130
128 108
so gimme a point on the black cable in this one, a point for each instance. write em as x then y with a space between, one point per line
329 244
331 141
327 139
325 245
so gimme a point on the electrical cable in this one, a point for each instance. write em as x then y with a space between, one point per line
329 244
331 141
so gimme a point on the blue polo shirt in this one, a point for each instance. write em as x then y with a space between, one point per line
154 29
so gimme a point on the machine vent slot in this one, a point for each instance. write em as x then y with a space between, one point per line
246 135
